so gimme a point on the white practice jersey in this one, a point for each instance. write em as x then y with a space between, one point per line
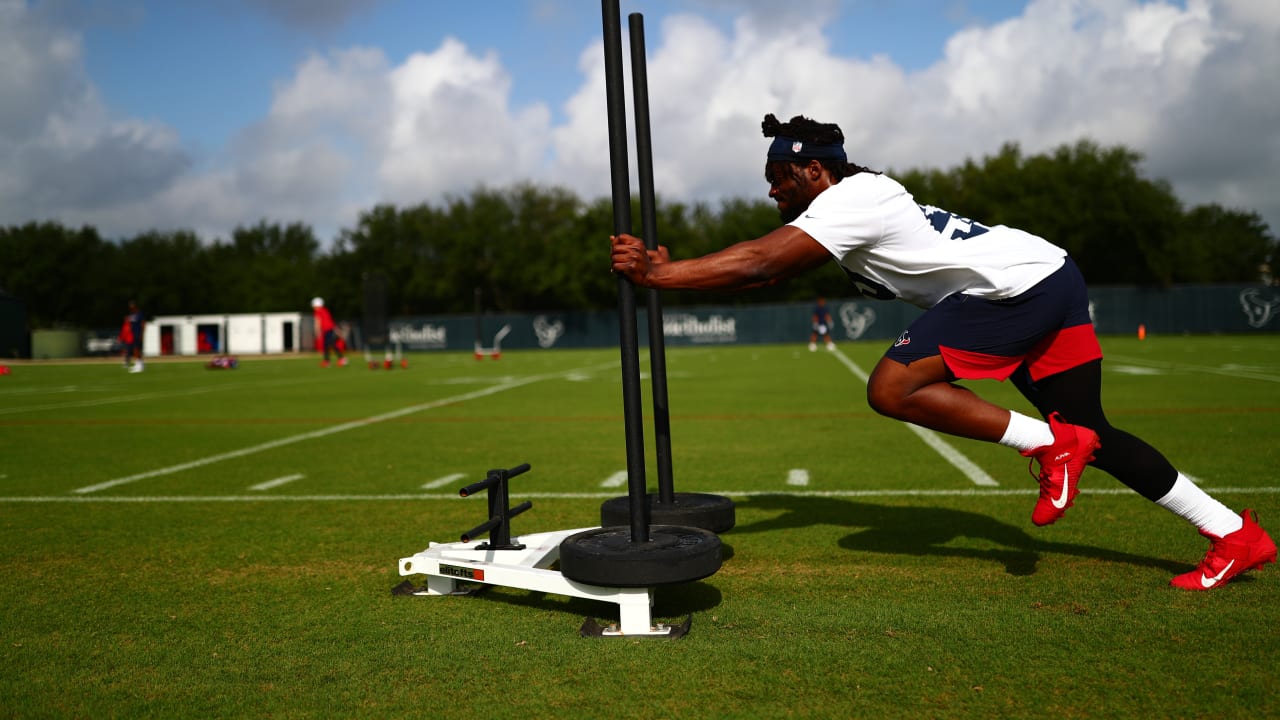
892 247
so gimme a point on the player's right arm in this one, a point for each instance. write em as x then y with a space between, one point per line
778 256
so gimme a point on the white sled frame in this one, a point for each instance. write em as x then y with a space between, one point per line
447 564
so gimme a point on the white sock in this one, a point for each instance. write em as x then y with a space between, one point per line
1026 433
1186 500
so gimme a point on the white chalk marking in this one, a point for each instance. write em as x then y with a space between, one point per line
617 479
144 396
1135 370
277 482
1231 371
798 477
442 481
353 425
975 474
969 492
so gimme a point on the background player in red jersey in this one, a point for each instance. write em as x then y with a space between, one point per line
326 333
131 337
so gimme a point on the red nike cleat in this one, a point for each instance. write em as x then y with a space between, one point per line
1060 466
1245 549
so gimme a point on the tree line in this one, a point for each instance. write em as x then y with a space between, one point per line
530 248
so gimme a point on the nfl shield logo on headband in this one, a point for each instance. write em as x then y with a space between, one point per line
797 146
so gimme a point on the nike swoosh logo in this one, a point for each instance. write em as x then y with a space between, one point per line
1061 501
1208 582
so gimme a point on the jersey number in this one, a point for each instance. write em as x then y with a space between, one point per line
951 226
947 224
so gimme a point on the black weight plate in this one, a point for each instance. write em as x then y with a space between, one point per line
699 510
606 556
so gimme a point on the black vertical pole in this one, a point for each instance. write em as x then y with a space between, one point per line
629 343
649 223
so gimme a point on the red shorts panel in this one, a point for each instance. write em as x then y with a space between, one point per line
970 365
1059 351
1063 350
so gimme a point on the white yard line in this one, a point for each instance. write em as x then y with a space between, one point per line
277 482
969 492
954 456
1232 371
144 396
353 425
442 481
617 479
798 477
962 463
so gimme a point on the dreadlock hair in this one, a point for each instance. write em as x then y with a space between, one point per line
811 131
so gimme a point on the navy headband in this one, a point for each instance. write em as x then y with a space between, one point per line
789 149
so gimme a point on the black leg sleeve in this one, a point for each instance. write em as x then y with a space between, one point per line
1076 394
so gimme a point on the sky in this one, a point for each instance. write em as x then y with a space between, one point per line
208 115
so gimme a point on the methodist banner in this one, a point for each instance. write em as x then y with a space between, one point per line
1115 311
852 319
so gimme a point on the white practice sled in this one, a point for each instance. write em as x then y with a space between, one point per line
448 564
524 562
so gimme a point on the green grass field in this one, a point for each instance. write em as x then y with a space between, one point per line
194 543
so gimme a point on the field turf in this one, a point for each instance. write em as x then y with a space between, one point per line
195 543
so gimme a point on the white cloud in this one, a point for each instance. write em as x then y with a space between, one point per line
1188 88
1191 87
451 128
350 130
64 156
1066 70
1221 141
708 94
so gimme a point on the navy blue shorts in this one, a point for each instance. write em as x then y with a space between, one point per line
1046 328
